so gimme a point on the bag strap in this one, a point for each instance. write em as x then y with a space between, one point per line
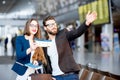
20 63
42 70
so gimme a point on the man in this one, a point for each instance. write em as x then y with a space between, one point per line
59 54
13 46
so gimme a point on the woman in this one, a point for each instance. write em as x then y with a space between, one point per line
27 50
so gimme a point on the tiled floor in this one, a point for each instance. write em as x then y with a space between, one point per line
5 64
6 73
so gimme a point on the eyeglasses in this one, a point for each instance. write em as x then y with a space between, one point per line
51 25
32 25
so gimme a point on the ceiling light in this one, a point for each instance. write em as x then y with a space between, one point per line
3 2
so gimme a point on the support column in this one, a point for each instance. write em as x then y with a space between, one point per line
107 37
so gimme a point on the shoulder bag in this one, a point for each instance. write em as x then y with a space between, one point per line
40 76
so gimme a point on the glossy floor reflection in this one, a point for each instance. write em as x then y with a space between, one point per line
6 73
105 61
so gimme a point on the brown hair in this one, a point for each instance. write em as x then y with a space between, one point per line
39 53
48 18
27 32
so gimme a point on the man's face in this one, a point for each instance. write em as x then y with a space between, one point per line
51 27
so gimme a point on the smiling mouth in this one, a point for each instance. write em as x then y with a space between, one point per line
34 30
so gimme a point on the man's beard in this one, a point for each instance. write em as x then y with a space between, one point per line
52 33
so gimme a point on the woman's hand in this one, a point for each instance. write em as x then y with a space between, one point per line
35 62
33 46
53 78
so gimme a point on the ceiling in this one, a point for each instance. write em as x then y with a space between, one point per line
6 6
26 8
22 9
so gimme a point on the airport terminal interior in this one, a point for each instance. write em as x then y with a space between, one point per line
97 51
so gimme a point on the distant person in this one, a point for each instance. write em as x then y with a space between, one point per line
0 40
26 48
72 43
5 44
13 46
90 40
63 65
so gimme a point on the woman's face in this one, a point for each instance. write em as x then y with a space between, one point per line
33 27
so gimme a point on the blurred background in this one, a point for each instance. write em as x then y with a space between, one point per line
99 45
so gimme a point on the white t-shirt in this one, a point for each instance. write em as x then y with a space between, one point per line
52 52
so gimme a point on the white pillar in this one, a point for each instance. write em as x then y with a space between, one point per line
107 30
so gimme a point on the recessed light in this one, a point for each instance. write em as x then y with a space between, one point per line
3 2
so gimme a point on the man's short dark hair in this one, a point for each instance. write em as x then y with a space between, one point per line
48 18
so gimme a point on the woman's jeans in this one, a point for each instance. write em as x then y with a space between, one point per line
67 77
